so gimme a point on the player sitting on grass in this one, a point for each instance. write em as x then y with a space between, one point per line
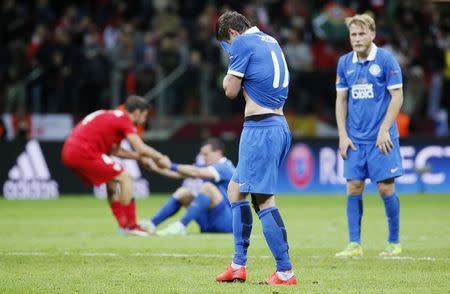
210 207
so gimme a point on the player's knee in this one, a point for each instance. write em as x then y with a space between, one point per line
208 188
386 187
262 201
124 176
233 192
355 187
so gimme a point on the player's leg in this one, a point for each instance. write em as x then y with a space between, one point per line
116 206
242 222
276 237
208 196
126 198
392 209
354 211
181 197
355 171
383 168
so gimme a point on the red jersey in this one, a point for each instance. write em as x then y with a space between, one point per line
100 130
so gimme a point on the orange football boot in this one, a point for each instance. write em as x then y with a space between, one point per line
274 280
233 275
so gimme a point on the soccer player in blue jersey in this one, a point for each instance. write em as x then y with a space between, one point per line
369 97
257 65
209 207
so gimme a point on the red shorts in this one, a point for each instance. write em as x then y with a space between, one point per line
93 168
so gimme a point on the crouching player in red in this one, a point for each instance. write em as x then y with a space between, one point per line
88 148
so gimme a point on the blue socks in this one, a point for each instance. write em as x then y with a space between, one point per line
170 208
276 237
392 208
242 227
198 205
354 215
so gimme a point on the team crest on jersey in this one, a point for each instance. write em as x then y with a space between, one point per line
375 69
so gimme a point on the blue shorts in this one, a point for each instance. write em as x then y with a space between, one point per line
263 146
369 162
217 219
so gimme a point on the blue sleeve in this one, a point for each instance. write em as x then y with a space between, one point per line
341 81
223 171
393 73
240 54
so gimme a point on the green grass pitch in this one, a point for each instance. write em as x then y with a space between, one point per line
70 245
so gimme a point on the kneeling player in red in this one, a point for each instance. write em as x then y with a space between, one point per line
88 148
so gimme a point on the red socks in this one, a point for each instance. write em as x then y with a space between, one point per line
130 212
124 214
119 213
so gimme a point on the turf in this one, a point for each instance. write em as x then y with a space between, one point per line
70 245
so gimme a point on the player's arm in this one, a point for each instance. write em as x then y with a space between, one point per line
341 117
124 153
151 165
188 170
384 142
232 85
143 149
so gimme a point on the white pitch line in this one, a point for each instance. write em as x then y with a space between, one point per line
185 255
406 258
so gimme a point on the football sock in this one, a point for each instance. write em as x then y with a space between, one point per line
276 237
392 208
236 266
119 213
198 205
169 208
130 212
354 215
242 228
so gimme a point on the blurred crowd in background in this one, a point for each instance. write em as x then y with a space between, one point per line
79 56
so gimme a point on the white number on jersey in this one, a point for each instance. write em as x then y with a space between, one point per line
277 70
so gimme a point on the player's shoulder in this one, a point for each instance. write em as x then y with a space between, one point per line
346 59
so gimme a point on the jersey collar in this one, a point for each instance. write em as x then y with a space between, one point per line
252 30
372 54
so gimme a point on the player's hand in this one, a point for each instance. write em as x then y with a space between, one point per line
148 163
344 144
164 162
384 142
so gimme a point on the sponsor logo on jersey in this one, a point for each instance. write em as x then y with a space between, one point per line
30 177
362 91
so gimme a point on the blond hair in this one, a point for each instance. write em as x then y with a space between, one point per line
363 20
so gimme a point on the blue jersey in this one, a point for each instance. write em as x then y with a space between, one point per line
368 84
223 171
258 59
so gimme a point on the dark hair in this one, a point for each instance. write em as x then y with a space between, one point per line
216 144
135 102
231 20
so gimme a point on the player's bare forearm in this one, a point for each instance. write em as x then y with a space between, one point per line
393 109
151 165
194 172
143 149
341 112
232 85
126 154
